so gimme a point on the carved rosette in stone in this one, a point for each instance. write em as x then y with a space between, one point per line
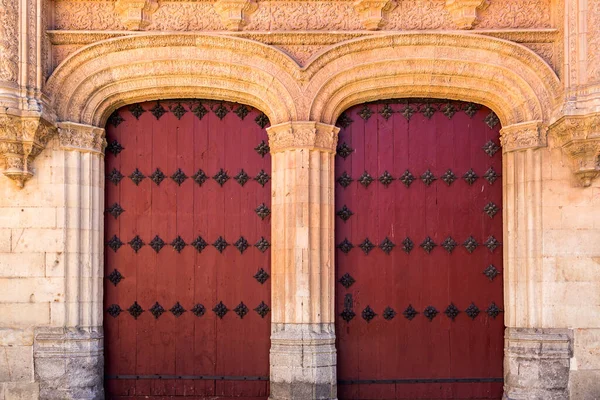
79 137
579 137
373 13
465 13
136 15
234 13
303 135
527 135
22 139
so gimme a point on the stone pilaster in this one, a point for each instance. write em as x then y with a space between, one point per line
303 355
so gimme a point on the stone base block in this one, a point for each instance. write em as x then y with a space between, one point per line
536 364
19 391
303 362
584 385
69 363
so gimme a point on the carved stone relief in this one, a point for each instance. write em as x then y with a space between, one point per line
465 13
9 47
593 42
523 136
136 14
373 13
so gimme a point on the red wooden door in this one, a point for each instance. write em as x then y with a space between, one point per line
418 227
187 226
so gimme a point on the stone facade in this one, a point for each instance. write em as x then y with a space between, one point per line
66 65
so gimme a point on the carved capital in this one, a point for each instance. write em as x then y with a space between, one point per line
234 13
303 135
79 137
22 139
136 15
465 13
524 136
579 137
373 13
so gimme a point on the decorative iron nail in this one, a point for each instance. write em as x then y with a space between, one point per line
221 111
449 110
492 243
368 314
345 213
449 177
178 244
345 246
344 120
348 314
242 111
407 245
157 243
344 150
114 310
198 310
262 120
179 177
115 119
470 177
135 310
262 178
389 313
221 177
366 246
491 272
386 112
449 244
136 176
428 177
451 312
157 310
115 277
428 245
178 111
220 309
262 148
430 312
114 243
136 110
261 276
262 211
344 180
241 244
220 244
177 310
407 178
263 244
471 109
115 176
115 210
410 312
157 176
387 245
136 243
262 309
491 209
493 310
490 148
407 112
470 244
241 310
428 111
365 179
347 280
386 179
158 110
492 120
472 311
114 147
199 244
365 113
490 175
199 111
199 177
242 177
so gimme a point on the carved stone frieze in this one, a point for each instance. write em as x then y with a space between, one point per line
465 13
234 13
79 137
373 13
523 136
136 15
303 134
9 45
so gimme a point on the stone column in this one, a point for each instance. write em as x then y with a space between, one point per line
536 362
303 355
68 354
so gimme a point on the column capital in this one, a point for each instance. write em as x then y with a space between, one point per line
80 137
523 136
303 135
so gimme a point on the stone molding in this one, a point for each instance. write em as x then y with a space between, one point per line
235 13
579 138
373 13
303 135
79 137
136 15
523 136
465 13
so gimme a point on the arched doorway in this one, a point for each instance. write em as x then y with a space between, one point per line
187 259
419 261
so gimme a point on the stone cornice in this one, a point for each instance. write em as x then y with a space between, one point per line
523 136
79 137
303 135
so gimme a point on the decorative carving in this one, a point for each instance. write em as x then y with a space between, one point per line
136 243
345 246
428 245
302 134
220 309
366 179
241 244
199 244
179 177
220 244
527 135
177 310
451 311
234 13
491 272
263 211
410 312
345 180
241 310
472 311
178 244
115 210
262 309
387 246
366 246
368 314
465 13
9 40
157 243
262 245
373 13
430 312
261 276
84 138
115 277
157 176
135 310
136 15
389 313
345 213
386 179
347 280
157 310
